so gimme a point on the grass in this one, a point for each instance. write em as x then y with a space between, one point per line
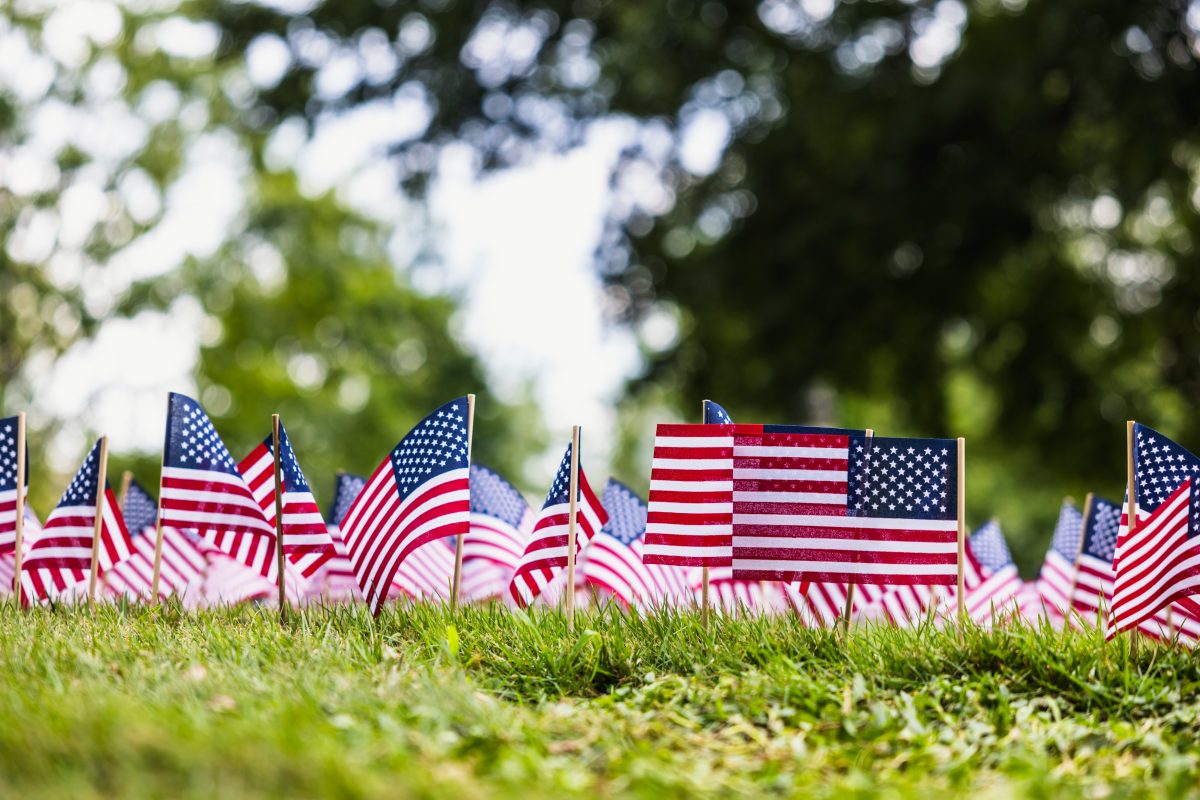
423 702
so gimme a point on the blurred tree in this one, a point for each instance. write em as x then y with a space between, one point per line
933 218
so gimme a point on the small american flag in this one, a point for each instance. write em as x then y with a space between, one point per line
226 582
996 594
61 556
546 552
736 597
336 582
345 491
1159 561
202 489
306 541
1094 572
8 561
501 524
182 562
612 561
140 509
715 415
8 485
1058 568
419 493
427 573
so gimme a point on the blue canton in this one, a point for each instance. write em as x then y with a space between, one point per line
903 478
82 490
140 510
560 490
1100 532
1068 532
289 465
496 497
1161 467
626 513
990 548
715 415
345 492
8 455
438 444
192 441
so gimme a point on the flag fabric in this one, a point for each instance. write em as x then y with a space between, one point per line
182 562
427 573
203 490
545 553
346 490
8 561
995 595
501 524
226 582
306 541
139 509
1058 568
8 485
737 597
715 415
335 581
612 561
1157 561
821 604
61 556
419 493
1094 571
835 505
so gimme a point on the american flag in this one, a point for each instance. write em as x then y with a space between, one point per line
907 605
715 415
61 556
821 604
306 541
427 573
735 596
1094 572
1157 562
419 493
501 523
336 582
203 491
8 485
226 582
1058 569
346 490
8 561
182 561
546 551
612 561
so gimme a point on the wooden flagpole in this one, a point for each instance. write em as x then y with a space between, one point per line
1131 495
158 526
1087 513
279 560
571 522
456 585
962 530
704 581
101 480
21 467
123 495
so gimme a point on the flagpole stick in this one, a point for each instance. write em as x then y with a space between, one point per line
158 518
123 495
571 522
1087 513
1131 494
101 480
962 530
21 467
279 561
456 586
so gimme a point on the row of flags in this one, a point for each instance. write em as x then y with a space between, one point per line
829 524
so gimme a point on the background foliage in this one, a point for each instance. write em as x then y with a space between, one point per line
967 219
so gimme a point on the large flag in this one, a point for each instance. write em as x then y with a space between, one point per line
1157 562
1094 572
182 562
8 485
612 561
501 523
1058 568
61 557
545 553
419 493
306 541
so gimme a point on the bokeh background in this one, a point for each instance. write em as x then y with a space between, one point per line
940 219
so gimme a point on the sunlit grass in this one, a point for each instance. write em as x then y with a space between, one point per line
486 702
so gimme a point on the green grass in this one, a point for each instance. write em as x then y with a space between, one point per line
427 703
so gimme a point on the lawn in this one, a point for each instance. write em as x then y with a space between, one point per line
425 702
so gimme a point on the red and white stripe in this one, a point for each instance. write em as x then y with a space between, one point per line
8 521
182 564
617 568
735 597
226 582
61 555
1054 586
335 581
546 552
1155 563
492 551
8 561
690 517
381 529
306 541
427 573
211 501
